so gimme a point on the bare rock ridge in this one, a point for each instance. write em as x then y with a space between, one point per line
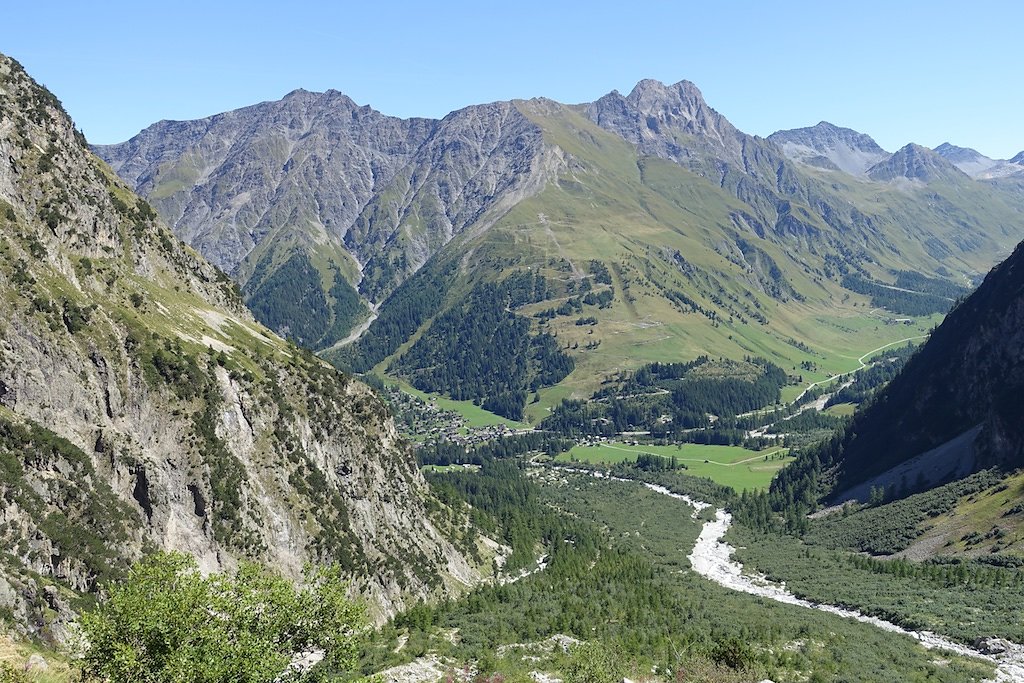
833 148
479 162
970 161
142 407
977 165
653 114
310 159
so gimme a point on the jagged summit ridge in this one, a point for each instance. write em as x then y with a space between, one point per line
653 113
312 160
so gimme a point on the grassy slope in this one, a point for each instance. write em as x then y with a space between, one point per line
632 212
16 654
968 528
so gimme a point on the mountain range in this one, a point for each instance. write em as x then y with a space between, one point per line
351 232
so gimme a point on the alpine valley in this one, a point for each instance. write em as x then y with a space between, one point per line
585 393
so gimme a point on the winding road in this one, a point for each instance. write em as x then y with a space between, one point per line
859 360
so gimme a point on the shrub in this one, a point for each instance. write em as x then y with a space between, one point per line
167 622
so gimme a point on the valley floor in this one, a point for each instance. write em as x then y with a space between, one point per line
637 600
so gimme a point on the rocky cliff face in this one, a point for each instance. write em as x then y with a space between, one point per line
308 162
654 115
142 408
479 163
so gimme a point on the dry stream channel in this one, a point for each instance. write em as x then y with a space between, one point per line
711 557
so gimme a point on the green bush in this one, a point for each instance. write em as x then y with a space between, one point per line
167 622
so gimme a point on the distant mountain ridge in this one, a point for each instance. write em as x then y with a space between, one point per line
977 165
831 147
916 162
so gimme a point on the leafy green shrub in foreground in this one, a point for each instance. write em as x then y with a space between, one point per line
167 622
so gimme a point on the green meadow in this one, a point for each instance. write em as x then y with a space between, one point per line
474 415
740 468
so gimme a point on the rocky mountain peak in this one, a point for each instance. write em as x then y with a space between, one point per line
654 115
1019 159
309 161
298 93
915 162
649 93
953 153
970 161
678 105
826 145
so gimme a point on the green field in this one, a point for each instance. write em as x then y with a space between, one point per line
842 409
733 466
451 468
474 415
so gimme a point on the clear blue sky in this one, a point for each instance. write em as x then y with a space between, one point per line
901 71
